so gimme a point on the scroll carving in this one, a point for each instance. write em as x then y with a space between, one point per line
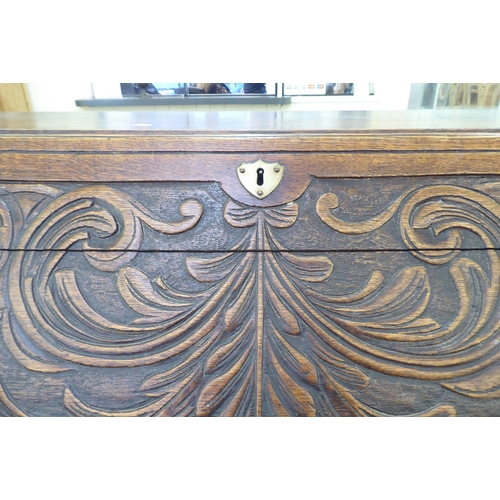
8 407
265 334
431 223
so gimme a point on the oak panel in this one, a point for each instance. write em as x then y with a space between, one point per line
383 123
139 278
250 334
424 130
377 214
247 142
94 325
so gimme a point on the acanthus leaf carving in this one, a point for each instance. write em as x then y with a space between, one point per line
86 215
260 338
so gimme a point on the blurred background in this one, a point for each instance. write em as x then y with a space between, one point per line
182 96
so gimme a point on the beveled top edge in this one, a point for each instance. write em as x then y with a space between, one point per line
258 122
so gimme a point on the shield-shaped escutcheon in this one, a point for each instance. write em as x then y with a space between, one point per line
260 178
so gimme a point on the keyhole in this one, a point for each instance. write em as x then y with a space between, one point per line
260 176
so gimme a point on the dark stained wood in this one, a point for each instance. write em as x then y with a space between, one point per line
245 142
144 283
301 169
252 132
335 214
379 122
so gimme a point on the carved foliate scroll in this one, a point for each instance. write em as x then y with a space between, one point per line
258 328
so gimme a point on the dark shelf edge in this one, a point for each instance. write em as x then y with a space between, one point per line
182 101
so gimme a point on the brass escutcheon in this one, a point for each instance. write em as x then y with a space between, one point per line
259 178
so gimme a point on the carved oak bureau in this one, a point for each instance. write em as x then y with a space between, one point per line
250 264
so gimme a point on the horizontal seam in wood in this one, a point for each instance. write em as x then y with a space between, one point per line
243 152
295 250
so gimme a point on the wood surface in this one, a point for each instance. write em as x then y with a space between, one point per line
245 142
142 284
14 97
424 130
228 122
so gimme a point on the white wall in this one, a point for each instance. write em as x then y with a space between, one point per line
58 95
62 95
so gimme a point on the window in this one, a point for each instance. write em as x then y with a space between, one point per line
455 95
230 96
159 89
318 89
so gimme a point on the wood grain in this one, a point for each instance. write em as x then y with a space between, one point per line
14 97
264 132
254 330
245 142
382 123
300 168
141 283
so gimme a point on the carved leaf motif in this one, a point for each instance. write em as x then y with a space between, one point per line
484 385
391 312
283 315
237 348
212 270
312 269
237 311
446 211
141 296
297 362
8 408
182 397
340 401
227 389
490 188
282 217
6 232
297 398
374 283
63 324
329 201
196 349
239 216
474 290
24 352
227 353
388 344
178 400
341 369
234 369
